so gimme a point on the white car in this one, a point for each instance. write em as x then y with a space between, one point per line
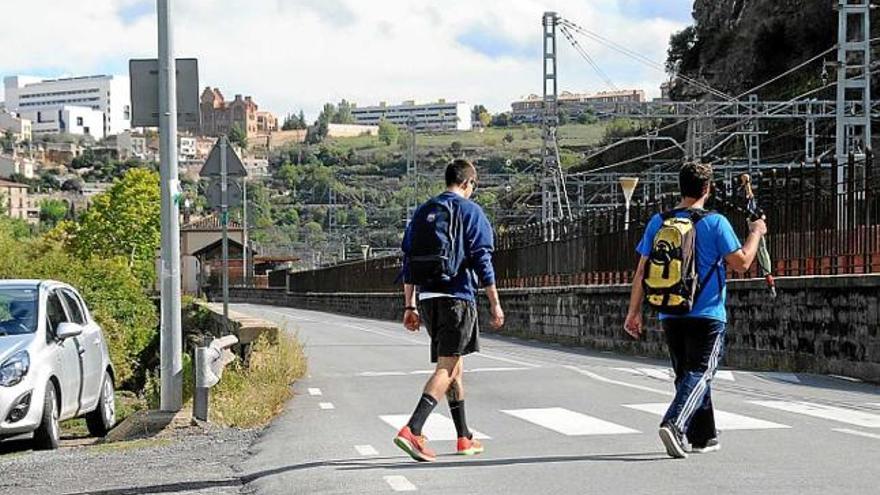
54 363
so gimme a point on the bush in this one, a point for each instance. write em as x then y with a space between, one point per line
111 291
248 397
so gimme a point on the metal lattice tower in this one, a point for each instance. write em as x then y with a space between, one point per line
853 78
554 200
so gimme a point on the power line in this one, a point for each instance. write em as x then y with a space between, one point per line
577 46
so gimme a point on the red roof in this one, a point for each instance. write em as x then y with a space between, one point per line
210 223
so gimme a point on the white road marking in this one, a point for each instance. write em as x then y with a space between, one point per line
667 375
483 370
366 450
847 378
326 405
399 483
437 427
839 414
429 372
777 376
725 420
857 433
725 375
315 391
569 423
508 360
601 378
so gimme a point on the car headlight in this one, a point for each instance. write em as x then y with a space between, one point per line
13 370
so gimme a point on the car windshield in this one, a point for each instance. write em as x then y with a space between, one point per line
18 311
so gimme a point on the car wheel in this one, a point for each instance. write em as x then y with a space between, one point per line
48 434
103 418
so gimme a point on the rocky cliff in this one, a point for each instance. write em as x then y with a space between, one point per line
737 44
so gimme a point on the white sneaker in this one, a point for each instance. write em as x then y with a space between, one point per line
712 445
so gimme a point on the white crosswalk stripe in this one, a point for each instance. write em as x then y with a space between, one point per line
437 427
666 374
723 420
857 433
839 414
399 483
569 423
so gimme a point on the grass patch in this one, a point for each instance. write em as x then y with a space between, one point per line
251 396
127 403
140 443
524 138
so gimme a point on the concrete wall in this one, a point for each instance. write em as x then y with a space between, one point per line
817 324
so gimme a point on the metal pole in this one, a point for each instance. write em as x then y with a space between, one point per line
224 220
170 335
244 257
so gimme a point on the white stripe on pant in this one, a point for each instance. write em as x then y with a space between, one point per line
696 396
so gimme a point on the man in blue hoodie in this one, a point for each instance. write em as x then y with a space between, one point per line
449 312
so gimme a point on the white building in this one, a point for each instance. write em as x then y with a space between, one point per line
110 95
80 121
16 165
439 116
21 129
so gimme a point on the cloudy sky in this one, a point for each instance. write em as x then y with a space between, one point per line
292 54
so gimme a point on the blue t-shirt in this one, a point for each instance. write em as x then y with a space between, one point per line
715 240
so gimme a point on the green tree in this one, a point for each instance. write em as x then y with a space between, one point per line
7 141
52 211
680 52
455 148
294 122
357 215
238 137
388 132
481 115
343 113
501 120
124 222
508 138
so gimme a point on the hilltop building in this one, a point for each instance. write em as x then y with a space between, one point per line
219 116
530 109
438 116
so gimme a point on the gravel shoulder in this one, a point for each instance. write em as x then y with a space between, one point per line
192 460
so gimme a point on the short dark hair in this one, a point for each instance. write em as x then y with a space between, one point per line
459 172
695 179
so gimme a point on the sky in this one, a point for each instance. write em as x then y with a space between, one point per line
293 54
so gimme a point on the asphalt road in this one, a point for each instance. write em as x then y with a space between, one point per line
556 420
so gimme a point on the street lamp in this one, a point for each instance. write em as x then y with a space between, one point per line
628 184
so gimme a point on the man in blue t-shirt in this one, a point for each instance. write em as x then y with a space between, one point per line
695 339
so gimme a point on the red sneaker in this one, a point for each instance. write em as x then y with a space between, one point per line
469 446
414 445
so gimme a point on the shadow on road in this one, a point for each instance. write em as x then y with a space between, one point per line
359 464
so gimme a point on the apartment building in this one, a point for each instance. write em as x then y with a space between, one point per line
438 116
530 109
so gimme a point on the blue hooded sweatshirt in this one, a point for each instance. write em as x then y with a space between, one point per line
477 241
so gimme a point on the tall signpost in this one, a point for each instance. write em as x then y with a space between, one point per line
224 163
165 92
171 338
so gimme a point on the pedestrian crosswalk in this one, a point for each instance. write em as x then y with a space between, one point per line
569 423
723 420
666 374
778 415
438 426
839 414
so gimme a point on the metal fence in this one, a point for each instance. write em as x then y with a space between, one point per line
819 224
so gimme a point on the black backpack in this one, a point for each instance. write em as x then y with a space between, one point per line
435 254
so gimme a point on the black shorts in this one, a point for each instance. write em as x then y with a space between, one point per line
452 325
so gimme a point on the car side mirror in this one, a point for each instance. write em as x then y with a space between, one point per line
67 330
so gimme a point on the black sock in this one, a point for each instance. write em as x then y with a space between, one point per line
420 415
456 410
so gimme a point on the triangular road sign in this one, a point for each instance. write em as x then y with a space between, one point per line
234 167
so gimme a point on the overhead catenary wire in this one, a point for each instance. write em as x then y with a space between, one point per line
583 53
729 126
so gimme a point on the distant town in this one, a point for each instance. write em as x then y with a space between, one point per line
46 124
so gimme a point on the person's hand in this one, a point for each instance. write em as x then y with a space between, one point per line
633 325
411 320
759 227
497 316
